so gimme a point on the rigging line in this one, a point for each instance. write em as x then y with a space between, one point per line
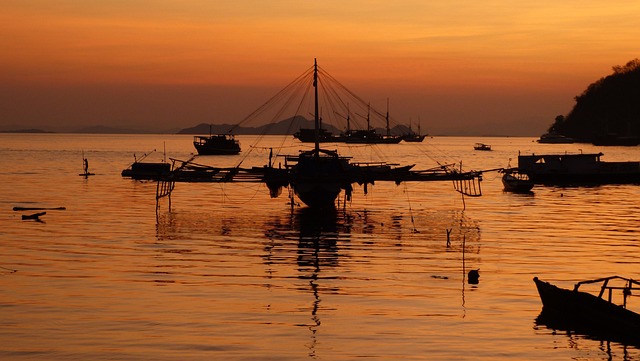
225 194
272 99
305 96
355 96
292 91
413 223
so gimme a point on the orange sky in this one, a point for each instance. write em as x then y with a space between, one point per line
474 67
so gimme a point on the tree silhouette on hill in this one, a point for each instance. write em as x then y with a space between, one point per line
608 107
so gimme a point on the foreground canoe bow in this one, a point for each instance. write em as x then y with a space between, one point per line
582 312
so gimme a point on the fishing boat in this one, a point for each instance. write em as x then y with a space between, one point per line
413 137
516 182
554 138
370 136
216 144
308 135
481 146
577 169
140 170
589 314
319 175
316 176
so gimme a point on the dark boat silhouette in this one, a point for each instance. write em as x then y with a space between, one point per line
216 144
355 136
317 176
582 312
577 169
516 182
139 170
481 146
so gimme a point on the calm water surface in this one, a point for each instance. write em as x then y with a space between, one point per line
228 273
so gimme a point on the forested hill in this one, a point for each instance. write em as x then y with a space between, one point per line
609 106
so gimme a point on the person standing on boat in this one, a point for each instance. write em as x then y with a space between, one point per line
86 165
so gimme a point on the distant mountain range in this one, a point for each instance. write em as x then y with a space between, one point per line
286 126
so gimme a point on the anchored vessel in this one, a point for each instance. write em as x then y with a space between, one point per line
217 144
577 169
481 146
318 176
589 314
516 182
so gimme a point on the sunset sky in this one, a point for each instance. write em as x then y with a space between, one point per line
462 67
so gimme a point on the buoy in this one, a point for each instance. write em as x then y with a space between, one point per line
473 277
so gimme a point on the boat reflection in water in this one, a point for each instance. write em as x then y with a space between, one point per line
318 233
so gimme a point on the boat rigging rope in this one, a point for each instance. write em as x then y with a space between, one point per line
413 223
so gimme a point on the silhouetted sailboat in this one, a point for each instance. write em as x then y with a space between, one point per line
413 137
318 176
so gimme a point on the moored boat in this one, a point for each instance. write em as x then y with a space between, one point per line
577 169
481 146
413 137
590 314
147 170
555 138
516 182
140 170
216 144
308 135
318 176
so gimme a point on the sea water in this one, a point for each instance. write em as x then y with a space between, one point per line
224 271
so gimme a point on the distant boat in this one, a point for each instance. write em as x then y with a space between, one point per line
589 314
217 144
370 136
481 146
413 137
308 135
516 182
577 169
555 138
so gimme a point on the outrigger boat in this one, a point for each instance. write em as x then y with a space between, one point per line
588 314
140 170
516 182
317 176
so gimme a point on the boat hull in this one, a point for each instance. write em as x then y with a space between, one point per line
147 171
577 169
216 145
585 313
514 184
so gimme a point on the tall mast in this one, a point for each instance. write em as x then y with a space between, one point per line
348 119
388 130
317 117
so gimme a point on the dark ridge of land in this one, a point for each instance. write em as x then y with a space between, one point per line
609 107
26 131
286 126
